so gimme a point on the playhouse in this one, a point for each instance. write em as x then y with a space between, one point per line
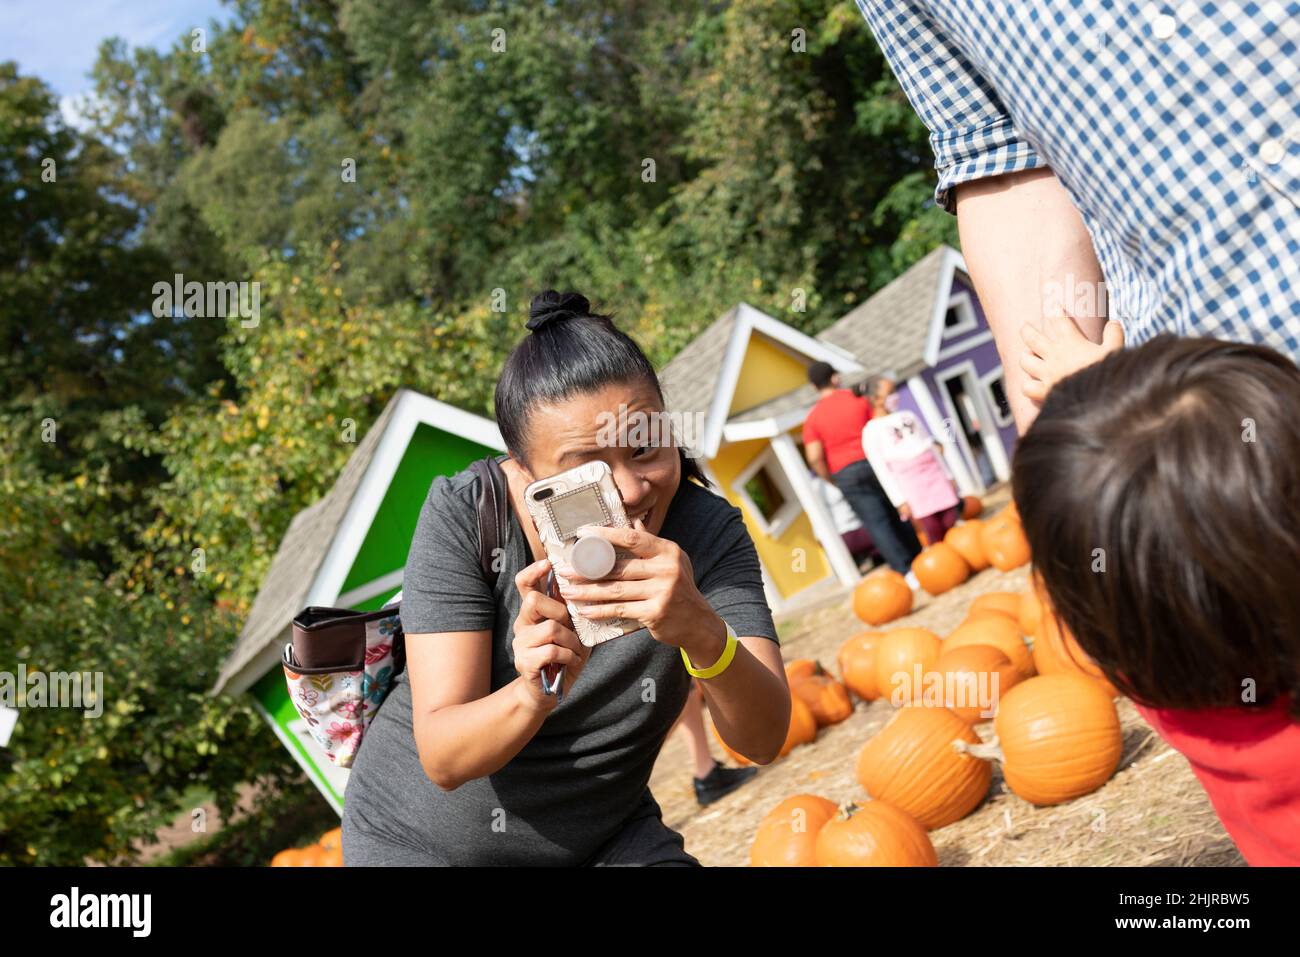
347 551
745 377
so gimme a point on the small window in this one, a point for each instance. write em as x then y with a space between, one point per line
1001 407
960 317
770 501
766 495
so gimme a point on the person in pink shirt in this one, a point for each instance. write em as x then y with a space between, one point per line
1159 488
906 460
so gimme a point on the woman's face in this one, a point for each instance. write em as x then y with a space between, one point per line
626 427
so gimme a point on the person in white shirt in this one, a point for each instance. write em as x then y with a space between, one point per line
906 460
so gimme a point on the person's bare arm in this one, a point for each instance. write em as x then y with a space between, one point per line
816 456
461 730
758 676
1023 241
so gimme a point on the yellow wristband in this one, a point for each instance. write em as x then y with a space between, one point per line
718 667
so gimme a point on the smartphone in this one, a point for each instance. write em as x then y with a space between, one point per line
559 506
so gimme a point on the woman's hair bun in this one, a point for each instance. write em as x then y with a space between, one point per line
552 306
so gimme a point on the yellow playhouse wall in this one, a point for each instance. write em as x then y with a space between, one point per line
766 372
795 560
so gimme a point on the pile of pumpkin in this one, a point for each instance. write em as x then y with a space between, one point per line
1056 734
969 547
327 852
816 700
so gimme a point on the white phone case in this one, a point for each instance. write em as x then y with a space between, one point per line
579 480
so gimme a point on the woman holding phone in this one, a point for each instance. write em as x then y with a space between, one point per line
470 762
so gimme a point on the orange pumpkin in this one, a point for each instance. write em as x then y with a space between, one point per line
912 764
1004 543
996 602
875 834
787 836
976 676
803 726
998 631
882 596
940 568
964 539
331 839
1030 613
826 698
1056 651
289 857
802 668
1060 737
857 660
313 855
330 856
898 656
971 507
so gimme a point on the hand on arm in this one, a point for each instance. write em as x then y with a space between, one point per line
1027 249
1059 349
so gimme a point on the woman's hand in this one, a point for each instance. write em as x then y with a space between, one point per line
653 583
1060 349
544 636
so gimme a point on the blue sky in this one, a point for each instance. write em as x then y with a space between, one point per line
57 39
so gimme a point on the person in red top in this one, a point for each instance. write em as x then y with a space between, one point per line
1159 489
832 439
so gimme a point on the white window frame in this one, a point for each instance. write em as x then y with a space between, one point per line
992 441
966 321
787 513
986 382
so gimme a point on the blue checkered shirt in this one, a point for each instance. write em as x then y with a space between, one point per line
1175 128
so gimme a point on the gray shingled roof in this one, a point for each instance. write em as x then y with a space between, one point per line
889 330
690 377
299 557
886 333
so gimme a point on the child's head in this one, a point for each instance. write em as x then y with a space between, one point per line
1160 492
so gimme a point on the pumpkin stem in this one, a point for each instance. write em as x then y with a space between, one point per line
991 751
847 810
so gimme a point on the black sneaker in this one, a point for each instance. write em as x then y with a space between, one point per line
720 782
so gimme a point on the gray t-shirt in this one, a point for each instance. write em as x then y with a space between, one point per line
585 771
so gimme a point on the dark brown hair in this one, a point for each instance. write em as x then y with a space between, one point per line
1179 460
570 351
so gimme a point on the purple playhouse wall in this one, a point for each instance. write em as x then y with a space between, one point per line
983 356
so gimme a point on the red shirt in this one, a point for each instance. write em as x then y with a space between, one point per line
836 422
1248 761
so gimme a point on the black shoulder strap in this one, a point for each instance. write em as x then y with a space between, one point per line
493 512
